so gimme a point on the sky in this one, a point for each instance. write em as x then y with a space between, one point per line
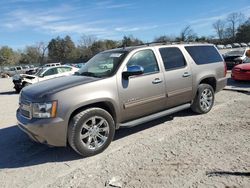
27 22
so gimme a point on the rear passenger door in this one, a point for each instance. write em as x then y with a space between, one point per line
178 76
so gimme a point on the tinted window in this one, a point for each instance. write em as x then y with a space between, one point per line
172 58
50 72
146 59
204 54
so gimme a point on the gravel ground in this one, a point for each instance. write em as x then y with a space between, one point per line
182 150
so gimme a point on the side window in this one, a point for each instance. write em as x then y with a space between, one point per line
146 59
50 72
63 69
172 58
204 54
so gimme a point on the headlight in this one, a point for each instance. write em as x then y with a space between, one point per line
44 110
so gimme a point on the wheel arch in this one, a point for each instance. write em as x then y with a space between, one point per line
210 81
106 105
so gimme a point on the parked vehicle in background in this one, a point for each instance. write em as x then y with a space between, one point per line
106 65
80 65
228 46
145 82
14 70
236 45
241 72
52 64
243 44
235 57
220 46
32 71
43 73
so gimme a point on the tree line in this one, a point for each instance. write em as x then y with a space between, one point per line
235 28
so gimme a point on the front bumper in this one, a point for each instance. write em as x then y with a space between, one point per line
51 131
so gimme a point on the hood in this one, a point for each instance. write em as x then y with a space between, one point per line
243 66
28 76
21 76
48 87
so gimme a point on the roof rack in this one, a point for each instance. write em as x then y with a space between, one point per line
170 43
163 43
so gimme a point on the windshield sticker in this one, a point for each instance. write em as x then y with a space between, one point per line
116 55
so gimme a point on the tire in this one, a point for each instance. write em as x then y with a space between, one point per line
91 131
204 99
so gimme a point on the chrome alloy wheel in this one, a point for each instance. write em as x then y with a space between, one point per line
94 132
206 99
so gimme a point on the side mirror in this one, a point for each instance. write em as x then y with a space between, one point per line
41 75
248 53
132 71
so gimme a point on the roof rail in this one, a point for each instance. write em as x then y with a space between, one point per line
163 43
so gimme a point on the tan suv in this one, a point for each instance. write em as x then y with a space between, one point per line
140 84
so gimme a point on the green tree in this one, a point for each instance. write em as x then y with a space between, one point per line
102 45
243 32
62 50
165 38
131 41
8 56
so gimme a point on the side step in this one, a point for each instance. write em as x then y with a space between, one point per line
155 116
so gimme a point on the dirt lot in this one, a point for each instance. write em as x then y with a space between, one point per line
182 150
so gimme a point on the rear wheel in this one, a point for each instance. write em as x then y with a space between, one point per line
91 131
204 99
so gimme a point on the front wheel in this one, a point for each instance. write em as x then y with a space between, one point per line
204 99
91 131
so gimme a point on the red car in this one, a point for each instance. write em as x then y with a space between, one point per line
241 72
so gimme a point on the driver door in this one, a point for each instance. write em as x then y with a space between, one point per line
142 94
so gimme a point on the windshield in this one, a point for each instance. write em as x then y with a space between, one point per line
40 71
235 53
103 64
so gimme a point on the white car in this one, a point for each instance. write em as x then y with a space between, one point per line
43 73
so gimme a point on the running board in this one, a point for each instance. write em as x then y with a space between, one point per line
155 116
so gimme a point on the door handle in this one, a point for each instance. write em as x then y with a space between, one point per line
186 74
157 81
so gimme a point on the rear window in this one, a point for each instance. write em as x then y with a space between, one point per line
204 54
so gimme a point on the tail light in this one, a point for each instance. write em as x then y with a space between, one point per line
225 69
